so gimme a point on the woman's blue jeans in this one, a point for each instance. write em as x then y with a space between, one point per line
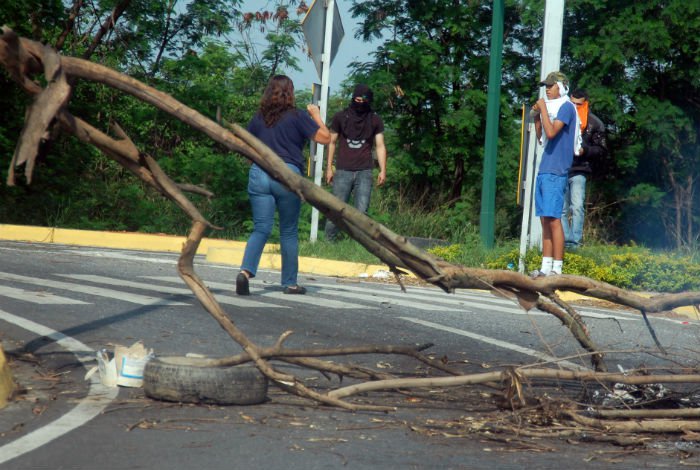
266 195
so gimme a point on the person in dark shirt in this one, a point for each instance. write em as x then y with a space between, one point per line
594 148
353 132
285 129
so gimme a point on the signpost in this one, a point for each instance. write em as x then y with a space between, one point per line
323 30
315 99
531 229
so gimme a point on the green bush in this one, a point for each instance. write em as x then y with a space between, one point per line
450 253
503 260
625 267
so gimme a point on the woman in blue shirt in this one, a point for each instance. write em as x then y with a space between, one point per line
285 129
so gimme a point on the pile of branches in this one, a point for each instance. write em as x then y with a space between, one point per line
26 61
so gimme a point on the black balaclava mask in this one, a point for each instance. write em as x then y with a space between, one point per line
362 91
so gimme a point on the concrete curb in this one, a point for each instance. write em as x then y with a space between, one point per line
216 251
7 383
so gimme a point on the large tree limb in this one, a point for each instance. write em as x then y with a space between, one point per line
499 376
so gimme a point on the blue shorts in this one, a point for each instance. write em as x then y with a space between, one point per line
549 195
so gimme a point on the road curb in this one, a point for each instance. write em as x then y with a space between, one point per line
218 251
121 240
7 382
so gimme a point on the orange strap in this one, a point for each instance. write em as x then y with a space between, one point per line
582 111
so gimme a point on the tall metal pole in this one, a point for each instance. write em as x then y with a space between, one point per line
488 187
323 104
531 231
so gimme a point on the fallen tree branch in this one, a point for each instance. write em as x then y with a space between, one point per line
635 425
340 370
25 59
500 376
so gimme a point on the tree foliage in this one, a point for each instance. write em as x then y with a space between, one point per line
638 61
199 52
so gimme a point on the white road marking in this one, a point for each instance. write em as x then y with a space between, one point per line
381 298
275 294
435 297
91 290
223 299
93 404
43 298
495 342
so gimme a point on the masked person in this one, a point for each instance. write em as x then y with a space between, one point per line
285 129
354 131
593 148
556 124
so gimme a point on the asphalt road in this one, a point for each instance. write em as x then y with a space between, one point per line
60 304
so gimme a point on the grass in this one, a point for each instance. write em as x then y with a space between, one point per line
342 250
470 255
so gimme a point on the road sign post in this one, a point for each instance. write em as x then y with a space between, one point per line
531 229
323 30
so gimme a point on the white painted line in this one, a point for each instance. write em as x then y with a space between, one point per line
128 257
496 342
91 290
223 299
309 299
275 294
94 403
35 297
383 299
489 302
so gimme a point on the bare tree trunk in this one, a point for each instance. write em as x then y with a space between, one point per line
107 25
77 5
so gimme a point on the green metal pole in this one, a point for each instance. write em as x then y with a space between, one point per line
488 187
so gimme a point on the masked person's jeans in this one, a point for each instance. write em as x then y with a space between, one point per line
574 203
345 182
266 195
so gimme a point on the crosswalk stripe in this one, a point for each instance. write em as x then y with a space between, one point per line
429 299
91 290
381 298
432 297
496 342
465 300
254 289
223 299
43 298
308 299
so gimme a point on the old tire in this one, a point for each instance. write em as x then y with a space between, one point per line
189 380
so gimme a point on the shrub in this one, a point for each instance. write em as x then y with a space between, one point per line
625 267
450 253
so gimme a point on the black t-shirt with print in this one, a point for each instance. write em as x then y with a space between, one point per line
355 154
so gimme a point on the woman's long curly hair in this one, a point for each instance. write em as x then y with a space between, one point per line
277 99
